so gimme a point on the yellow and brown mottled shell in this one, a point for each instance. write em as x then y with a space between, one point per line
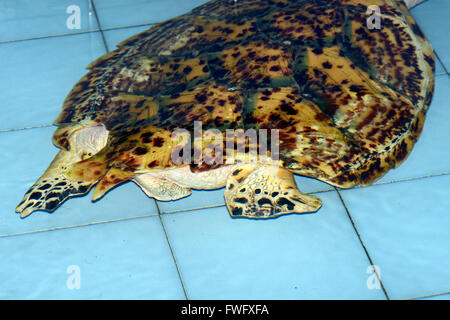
349 101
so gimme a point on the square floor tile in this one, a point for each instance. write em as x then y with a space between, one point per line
312 256
116 36
26 155
24 19
37 75
431 153
439 67
120 260
404 226
197 200
311 185
433 18
119 13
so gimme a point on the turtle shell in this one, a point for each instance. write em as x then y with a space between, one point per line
349 101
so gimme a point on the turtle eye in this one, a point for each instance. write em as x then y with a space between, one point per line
85 155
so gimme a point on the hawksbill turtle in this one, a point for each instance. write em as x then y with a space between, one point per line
343 100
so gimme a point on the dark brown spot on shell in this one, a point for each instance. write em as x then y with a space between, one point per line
158 142
140 151
153 164
327 65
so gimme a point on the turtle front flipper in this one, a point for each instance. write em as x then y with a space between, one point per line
266 191
53 187
79 143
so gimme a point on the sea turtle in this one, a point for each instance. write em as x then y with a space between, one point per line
342 99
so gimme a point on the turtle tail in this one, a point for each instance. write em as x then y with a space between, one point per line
53 187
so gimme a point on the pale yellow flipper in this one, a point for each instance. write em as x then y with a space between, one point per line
53 187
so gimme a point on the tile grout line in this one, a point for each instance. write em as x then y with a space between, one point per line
79 33
171 250
92 5
26 128
50 36
401 180
156 203
75 226
441 62
320 191
430 295
362 244
193 209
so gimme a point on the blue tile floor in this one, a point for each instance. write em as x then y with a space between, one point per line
128 246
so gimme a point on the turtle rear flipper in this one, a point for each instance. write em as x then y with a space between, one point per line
266 191
53 187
